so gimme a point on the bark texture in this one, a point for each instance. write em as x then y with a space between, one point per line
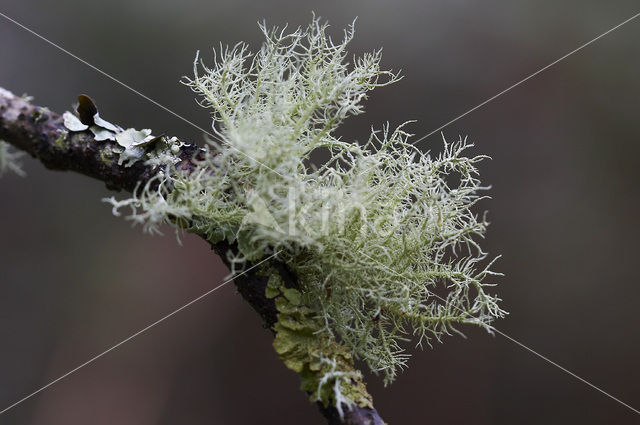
42 134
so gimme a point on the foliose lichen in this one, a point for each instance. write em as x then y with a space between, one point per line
131 145
326 368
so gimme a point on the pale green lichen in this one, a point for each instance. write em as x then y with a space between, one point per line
10 160
73 123
163 152
132 145
381 236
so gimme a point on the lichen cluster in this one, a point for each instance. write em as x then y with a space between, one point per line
131 145
381 236
325 367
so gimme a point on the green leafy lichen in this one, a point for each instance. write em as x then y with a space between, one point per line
381 236
325 367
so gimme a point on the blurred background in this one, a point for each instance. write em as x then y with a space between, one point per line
74 279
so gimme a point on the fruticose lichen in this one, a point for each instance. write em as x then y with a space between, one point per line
10 160
381 236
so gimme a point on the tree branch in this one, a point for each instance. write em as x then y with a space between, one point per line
41 133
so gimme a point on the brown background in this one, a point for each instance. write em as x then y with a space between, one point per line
74 279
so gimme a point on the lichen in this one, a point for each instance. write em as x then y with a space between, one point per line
106 156
73 123
131 145
164 151
382 237
10 160
61 141
325 367
40 114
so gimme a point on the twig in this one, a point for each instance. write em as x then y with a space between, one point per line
42 134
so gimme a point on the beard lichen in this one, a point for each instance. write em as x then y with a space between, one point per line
381 236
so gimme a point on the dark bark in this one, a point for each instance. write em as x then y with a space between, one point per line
357 416
42 134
